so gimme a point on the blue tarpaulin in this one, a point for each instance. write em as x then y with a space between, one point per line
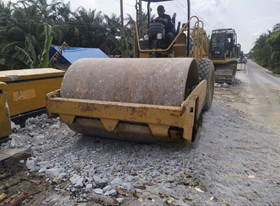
72 54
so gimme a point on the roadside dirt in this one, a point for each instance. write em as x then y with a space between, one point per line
234 161
15 180
258 95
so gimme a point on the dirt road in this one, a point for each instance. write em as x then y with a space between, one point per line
235 159
264 91
246 155
260 90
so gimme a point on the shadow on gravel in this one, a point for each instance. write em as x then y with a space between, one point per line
115 145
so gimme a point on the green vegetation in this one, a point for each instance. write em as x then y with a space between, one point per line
29 27
266 50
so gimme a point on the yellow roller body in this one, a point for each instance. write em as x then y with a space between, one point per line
137 99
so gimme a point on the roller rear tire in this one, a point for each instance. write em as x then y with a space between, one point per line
206 72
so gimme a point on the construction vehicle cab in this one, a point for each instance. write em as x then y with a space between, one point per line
224 52
154 44
223 44
187 42
160 33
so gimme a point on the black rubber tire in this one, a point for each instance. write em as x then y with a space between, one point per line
206 71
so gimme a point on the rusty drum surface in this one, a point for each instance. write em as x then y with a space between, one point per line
154 81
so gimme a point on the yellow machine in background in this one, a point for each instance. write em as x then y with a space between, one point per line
142 98
224 52
23 93
5 122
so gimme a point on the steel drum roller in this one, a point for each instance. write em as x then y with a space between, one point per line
154 81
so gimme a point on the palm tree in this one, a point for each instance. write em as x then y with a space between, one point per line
46 10
276 27
23 34
23 31
113 25
90 27
51 13
144 20
64 12
6 12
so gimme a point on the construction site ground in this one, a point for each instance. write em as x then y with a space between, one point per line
235 159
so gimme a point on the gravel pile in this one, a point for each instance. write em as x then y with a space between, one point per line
225 85
107 167
219 169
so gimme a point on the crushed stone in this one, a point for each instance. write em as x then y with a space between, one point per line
216 169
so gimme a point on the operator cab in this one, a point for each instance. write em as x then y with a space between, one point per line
159 39
223 44
160 33
154 42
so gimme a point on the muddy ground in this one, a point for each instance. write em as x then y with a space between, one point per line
235 160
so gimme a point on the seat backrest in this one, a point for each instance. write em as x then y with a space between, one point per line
155 28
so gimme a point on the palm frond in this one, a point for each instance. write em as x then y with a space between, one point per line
9 47
44 60
24 57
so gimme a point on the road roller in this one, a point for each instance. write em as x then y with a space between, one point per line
152 97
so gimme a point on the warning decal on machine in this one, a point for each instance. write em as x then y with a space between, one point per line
24 94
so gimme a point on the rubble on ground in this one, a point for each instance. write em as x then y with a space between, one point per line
114 172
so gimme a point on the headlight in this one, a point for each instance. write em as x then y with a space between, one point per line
146 37
159 36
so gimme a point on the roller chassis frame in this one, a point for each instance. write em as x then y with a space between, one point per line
116 118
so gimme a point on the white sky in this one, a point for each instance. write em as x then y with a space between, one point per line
249 18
